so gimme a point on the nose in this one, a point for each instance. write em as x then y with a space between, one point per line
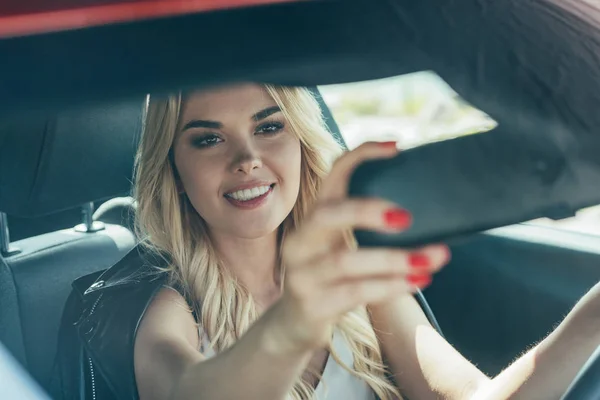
246 159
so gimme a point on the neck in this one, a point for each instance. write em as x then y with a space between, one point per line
254 262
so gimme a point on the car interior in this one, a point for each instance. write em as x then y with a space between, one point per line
504 289
50 167
69 131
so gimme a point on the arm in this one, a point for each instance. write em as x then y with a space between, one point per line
168 364
547 370
427 366
324 279
424 365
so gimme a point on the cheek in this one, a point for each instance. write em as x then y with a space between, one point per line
296 165
198 176
288 158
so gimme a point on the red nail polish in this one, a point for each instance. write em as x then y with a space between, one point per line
417 260
391 144
418 280
397 218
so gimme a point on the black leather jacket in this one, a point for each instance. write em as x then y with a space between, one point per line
99 327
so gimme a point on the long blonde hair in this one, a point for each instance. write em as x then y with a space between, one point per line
170 225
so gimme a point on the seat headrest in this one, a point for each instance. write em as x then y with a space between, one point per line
52 163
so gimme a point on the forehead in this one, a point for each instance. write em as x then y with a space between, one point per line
222 103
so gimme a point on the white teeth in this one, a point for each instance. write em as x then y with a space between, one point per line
249 194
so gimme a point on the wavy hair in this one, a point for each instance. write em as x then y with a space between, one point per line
169 225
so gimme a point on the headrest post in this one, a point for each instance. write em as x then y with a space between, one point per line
5 248
87 212
89 225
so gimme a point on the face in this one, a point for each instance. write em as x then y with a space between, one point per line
238 160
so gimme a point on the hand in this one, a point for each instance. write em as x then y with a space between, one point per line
326 277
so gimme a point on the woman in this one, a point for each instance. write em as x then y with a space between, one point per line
267 295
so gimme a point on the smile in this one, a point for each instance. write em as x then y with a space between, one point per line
249 194
250 197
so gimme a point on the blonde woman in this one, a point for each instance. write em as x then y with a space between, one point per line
267 296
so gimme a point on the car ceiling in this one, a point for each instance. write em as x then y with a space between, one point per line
528 61
532 66
488 51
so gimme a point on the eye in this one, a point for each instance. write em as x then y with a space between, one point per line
204 141
269 128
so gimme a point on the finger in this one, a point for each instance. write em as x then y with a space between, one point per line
414 268
360 213
350 295
335 186
314 235
367 264
363 264
437 255
426 262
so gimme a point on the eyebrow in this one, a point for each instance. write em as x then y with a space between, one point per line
265 113
200 123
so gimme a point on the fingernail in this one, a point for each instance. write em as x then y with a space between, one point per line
390 145
397 218
417 260
418 280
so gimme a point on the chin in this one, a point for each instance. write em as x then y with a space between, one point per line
252 233
255 230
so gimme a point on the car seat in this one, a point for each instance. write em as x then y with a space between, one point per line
49 164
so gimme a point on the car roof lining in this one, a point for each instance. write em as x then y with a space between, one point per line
494 54
532 66
468 43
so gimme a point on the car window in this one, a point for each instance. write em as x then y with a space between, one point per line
416 109
585 221
413 109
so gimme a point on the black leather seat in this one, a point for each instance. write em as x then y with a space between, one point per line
49 164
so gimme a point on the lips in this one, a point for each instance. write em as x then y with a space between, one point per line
249 194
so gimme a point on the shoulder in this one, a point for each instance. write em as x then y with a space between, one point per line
166 344
170 294
168 319
169 303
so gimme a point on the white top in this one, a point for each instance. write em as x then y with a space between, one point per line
336 383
